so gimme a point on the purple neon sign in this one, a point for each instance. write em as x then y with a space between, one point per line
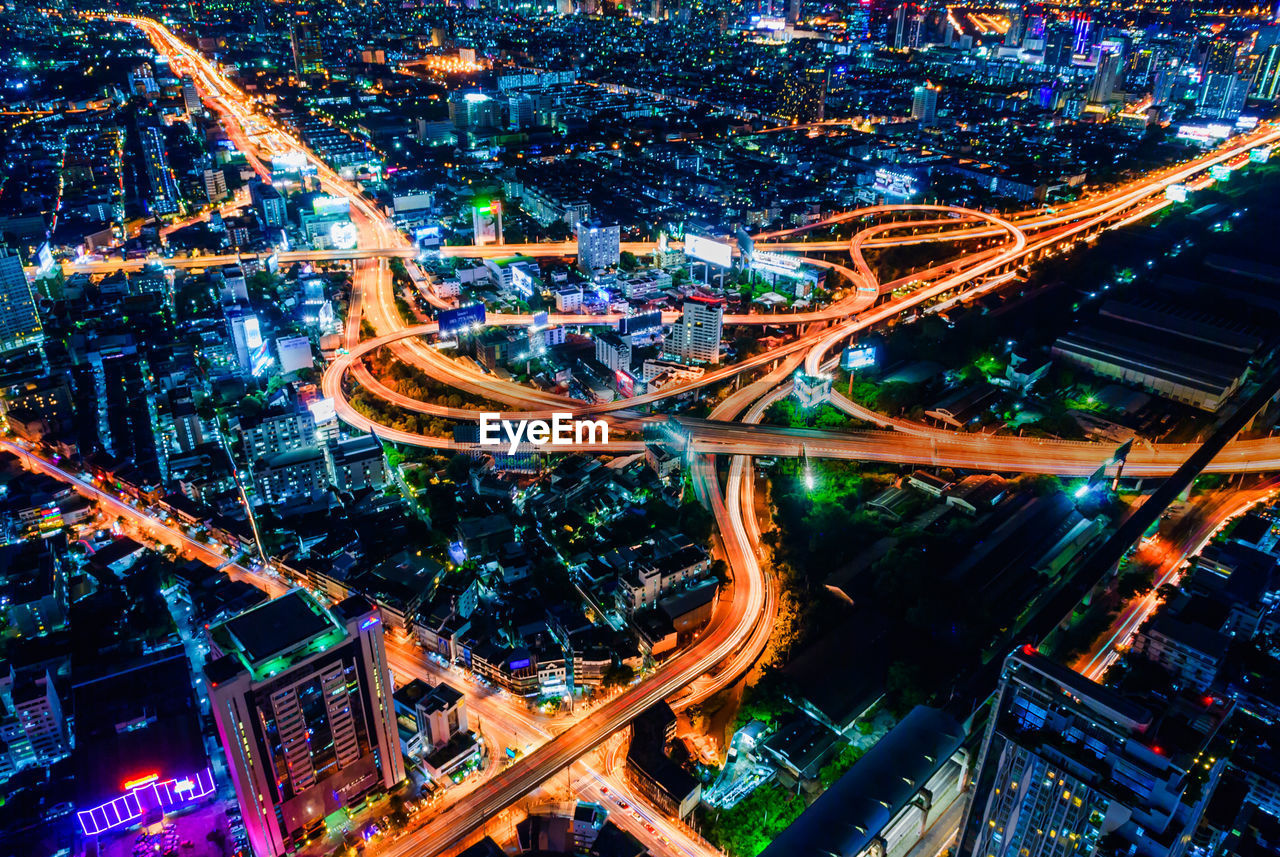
128 808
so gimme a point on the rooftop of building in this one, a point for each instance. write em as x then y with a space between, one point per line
272 636
852 813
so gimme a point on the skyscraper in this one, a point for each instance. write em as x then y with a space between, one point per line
1266 82
924 104
1104 78
1221 57
19 318
302 697
599 246
308 53
804 95
1067 763
1222 96
190 97
695 338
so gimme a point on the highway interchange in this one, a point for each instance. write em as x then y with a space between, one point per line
742 620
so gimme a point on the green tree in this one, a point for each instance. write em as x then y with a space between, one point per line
618 675
627 261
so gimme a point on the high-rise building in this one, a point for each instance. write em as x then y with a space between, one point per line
1222 96
795 11
165 198
32 725
1104 78
302 697
215 185
1221 57
1017 26
1266 81
1067 765
19 318
308 51
599 246
695 338
521 109
356 464
191 97
270 203
1059 45
924 104
804 95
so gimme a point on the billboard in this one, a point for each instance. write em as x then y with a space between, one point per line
461 320
858 357
746 244
1220 172
427 236
486 222
522 280
331 206
713 252
1176 193
625 382
639 323
895 182
44 261
1261 154
540 320
776 263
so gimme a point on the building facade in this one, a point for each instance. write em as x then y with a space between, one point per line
302 697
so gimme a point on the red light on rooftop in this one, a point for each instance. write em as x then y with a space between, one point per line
1029 650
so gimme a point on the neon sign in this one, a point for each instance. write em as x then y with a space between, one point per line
143 795
369 623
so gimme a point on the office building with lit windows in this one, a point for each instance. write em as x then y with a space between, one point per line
1071 767
803 97
308 51
695 337
19 319
302 697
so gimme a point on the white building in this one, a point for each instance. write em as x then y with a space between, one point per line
695 338
569 299
599 246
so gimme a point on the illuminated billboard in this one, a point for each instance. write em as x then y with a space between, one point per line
639 323
1220 172
1176 193
331 206
461 320
712 252
522 280
776 263
486 222
859 357
1261 154
895 182
44 261
252 332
